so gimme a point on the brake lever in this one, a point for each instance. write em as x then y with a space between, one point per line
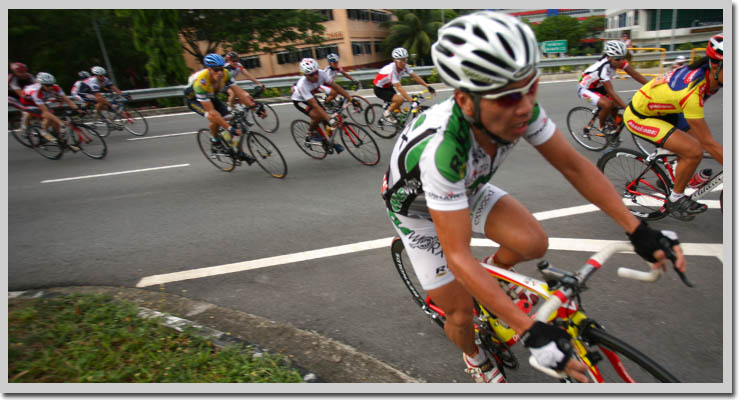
666 245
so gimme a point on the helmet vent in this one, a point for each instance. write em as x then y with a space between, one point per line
506 45
485 71
444 50
490 58
479 32
449 72
526 45
454 39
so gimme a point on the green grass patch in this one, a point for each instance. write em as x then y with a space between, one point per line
91 338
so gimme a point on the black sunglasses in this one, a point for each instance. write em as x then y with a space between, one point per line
217 69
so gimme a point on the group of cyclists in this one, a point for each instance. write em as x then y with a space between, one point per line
34 96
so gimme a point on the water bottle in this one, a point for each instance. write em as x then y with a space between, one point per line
700 178
226 135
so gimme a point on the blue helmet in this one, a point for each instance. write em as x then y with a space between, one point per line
213 60
331 57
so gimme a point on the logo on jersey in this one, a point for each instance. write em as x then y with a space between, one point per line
420 120
203 82
660 106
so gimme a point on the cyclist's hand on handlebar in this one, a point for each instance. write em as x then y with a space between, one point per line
551 347
431 90
658 247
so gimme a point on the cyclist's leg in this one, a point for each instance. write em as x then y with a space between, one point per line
608 107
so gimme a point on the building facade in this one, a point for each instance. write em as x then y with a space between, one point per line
354 34
537 16
665 28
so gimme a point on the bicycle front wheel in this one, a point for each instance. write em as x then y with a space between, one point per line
221 157
621 362
360 144
357 113
133 121
644 188
52 150
582 126
270 123
422 299
89 141
378 124
23 136
268 156
299 131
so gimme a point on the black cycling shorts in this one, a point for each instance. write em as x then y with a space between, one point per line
385 94
194 105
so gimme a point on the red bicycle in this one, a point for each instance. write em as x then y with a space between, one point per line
355 139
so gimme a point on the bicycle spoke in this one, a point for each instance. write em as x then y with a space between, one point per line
299 131
267 155
222 159
270 123
360 144
583 127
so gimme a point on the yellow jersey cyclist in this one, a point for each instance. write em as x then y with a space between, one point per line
387 83
201 96
595 85
669 111
438 193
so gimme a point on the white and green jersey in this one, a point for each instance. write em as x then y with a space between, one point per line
437 163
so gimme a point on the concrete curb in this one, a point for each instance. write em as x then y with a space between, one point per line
321 359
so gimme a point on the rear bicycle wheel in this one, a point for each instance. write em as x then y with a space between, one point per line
268 156
107 123
357 114
23 136
581 125
299 131
89 141
378 124
222 158
133 121
270 123
47 149
360 144
644 188
620 362
644 145
403 266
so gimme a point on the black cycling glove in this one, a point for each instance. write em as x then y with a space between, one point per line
647 241
431 90
549 345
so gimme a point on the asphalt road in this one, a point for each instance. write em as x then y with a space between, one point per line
117 229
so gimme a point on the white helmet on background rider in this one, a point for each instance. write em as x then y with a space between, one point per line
615 48
99 71
332 57
399 52
45 78
484 51
309 66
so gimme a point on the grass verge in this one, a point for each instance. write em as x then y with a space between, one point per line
91 338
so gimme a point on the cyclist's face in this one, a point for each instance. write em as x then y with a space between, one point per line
400 62
217 72
615 61
313 77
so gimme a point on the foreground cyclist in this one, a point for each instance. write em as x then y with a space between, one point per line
669 111
387 83
438 194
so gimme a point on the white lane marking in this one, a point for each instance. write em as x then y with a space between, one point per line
590 245
162 136
114 173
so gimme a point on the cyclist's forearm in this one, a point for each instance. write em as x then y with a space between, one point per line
402 92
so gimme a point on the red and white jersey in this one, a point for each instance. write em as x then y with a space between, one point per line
332 72
390 74
599 72
304 88
235 69
41 96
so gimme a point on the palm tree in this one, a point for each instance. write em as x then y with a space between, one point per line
415 30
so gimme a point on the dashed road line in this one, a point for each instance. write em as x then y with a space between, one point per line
114 173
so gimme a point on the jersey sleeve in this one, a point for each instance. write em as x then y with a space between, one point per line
541 127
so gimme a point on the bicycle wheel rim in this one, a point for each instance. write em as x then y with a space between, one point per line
270 123
623 363
222 161
267 155
378 125
645 146
107 123
22 136
645 197
299 131
90 142
360 144
403 266
357 114
134 122
50 150
590 138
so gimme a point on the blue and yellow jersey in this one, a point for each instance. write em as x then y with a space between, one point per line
204 88
679 91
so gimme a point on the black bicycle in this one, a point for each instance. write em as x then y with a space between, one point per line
74 136
583 125
227 154
121 117
269 121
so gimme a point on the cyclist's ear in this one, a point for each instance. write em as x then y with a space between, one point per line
465 102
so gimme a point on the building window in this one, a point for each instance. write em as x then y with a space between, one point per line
622 20
378 47
361 48
287 57
250 62
321 52
328 15
368 15
637 17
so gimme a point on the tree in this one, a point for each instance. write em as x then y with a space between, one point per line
559 27
155 33
594 26
415 31
250 30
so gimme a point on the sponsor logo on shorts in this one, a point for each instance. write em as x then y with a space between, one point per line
427 243
482 205
441 271
643 129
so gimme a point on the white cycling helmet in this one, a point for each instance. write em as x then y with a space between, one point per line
615 48
45 78
332 57
399 52
484 51
309 66
97 70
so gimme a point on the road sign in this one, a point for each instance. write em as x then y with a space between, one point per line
555 46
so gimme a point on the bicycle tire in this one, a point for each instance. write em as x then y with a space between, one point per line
377 124
23 136
578 119
106 120
645 198
224 161
47 149
270 123
299 131
357 114
89 141
411 282
633 366
359 144
133 121
267 155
